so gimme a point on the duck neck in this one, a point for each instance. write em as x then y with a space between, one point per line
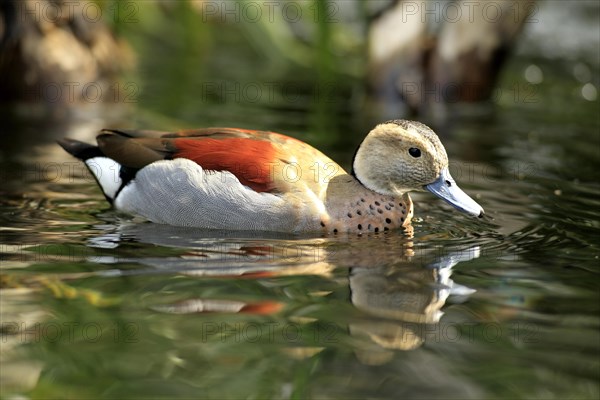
353 207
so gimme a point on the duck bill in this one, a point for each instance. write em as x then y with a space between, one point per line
446 188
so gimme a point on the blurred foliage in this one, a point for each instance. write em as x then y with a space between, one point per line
232 67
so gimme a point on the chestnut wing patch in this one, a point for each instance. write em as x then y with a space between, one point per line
250 160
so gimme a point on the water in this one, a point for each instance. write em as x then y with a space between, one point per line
96 304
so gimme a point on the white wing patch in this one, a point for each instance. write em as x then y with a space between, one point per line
106 172
179 192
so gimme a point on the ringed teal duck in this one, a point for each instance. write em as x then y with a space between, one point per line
239 179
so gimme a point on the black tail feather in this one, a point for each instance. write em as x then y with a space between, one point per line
81 150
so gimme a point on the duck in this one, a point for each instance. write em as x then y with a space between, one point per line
241 179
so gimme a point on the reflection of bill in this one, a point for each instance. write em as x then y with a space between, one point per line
403 302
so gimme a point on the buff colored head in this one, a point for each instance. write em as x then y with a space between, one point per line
400 156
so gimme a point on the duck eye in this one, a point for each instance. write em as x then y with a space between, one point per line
413 151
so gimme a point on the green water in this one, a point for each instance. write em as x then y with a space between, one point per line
95 304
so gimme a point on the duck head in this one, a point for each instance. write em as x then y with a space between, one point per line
399 156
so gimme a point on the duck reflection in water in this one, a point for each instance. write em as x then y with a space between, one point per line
397 289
